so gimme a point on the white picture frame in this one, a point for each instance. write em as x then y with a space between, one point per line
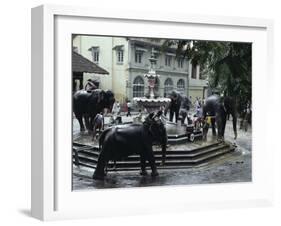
52 197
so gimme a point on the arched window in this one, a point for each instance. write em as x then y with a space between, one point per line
181 86
138 87
168 87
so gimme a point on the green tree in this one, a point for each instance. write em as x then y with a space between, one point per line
228 65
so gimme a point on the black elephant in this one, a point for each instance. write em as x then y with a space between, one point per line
122 141
179 106
88 104
218 108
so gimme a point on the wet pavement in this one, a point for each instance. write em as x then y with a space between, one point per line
232 167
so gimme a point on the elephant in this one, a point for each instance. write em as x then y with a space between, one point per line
88 104
179 106
121 141
218 108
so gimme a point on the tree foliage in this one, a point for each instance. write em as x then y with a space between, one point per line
228 65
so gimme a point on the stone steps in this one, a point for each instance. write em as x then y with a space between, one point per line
193 155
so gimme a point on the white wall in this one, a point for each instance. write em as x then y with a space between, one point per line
116 79
15 113
120 72
105 56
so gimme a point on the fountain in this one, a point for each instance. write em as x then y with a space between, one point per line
150 102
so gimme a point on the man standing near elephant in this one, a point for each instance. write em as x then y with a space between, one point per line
174 106
184 108
98 124
179 106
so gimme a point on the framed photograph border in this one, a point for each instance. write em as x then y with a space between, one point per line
43 175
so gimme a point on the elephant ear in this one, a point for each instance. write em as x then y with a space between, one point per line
101 96
109 93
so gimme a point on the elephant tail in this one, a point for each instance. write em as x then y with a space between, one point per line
102 137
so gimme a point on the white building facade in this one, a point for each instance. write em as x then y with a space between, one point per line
127 60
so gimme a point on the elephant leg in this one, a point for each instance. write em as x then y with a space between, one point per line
177 116
143 170
221 121
80 120
246 125
152 164
87 123
171 115
182 120
100 169
213 123
224 118
184 116
241 123
91 124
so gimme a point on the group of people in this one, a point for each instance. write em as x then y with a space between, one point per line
198 103
193 112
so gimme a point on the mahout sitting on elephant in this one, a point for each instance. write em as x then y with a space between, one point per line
88 104
91 85
218 108
179 106
122 141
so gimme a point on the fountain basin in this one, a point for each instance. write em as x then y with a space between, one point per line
152 104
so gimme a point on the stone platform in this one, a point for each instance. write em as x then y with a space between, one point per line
177 156
181 152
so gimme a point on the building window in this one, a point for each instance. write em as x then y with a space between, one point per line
168 61
168 87
95 50
180 63
96 56
138 87
181 86
194 71
138 57
120 56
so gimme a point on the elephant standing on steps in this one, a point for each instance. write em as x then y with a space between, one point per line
88 104
218 108
119 142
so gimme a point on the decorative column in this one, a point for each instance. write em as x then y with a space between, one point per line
151 75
